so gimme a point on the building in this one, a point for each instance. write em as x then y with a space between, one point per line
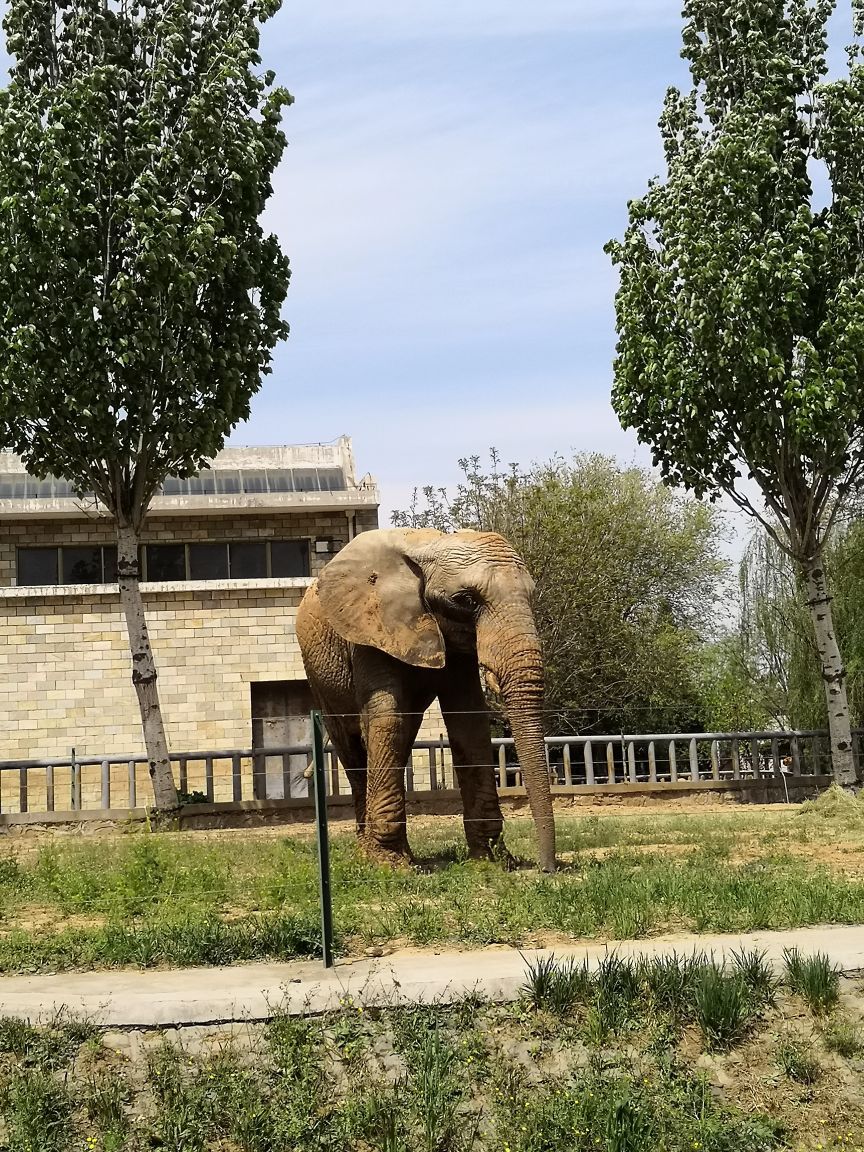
226 557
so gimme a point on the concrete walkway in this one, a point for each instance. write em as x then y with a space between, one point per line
198 996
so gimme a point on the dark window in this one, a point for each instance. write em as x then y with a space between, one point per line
331 479
289 558
37 566
306 480
82 565
208 561
280 480
227 482
109 561
248 560
166 562
173 486
254 481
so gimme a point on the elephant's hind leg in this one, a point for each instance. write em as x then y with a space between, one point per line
466 718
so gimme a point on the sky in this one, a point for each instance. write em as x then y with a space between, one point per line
452 175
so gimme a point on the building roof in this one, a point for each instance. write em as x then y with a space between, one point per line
254 479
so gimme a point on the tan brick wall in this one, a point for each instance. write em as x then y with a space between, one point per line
65 673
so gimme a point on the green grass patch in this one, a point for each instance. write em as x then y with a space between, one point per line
179 899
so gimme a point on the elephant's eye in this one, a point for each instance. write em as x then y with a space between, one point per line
466 600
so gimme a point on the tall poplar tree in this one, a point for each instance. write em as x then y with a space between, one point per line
741 305
139 296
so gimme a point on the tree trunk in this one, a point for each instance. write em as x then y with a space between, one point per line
833 671
144 670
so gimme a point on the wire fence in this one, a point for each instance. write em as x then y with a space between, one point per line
576 763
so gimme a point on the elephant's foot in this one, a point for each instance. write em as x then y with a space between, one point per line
393 855
492 850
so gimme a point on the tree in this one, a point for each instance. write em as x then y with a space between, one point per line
141 298
740 311
627 575
774 626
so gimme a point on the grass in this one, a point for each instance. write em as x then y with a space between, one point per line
814 978
797 1061
182 899
606 1059
459 1086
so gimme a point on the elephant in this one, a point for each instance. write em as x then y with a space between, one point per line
399 618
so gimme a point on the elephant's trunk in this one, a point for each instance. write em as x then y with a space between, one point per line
512 654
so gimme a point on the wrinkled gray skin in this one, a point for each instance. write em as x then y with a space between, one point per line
404 616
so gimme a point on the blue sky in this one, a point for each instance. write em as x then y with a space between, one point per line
452 175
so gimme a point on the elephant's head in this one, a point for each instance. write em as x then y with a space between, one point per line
414 592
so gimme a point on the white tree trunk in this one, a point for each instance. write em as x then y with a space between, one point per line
833 672
144 670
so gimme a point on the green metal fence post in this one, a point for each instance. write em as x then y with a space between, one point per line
319 777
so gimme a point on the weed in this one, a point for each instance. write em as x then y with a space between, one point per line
842 1036
106 1097
797 1062
616 989
54 1045
814 978
670 981
758 975
724 1008
37 1109
554 986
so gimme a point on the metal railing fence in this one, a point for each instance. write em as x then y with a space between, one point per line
94 783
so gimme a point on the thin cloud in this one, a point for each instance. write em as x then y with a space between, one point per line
397 20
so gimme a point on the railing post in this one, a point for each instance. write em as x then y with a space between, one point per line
694 761
75 783
652 763
106 784
208 778
610 763
323 843
796 754
22 790
754 758
715 759
673 763
568 766
409 773
502 765
589 763
133 785
49 788
631 761
236 779
736 759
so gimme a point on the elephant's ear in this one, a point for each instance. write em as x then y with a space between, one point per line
372 594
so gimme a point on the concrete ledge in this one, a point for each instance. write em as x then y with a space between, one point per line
52 592
134 999
443 801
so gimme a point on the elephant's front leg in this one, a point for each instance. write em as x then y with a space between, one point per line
389 735
466 717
